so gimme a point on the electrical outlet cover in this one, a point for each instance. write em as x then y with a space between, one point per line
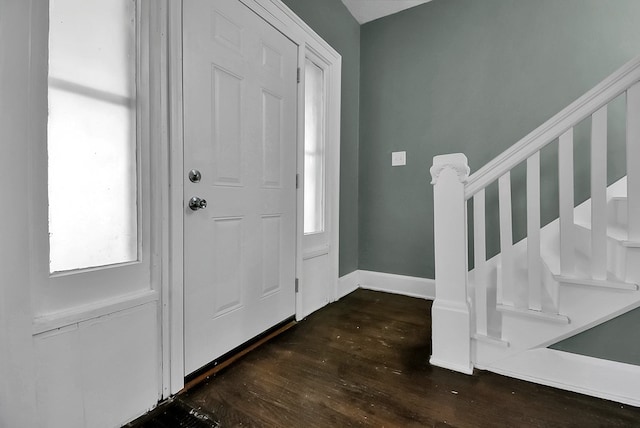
398 158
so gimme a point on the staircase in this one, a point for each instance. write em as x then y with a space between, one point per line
574 273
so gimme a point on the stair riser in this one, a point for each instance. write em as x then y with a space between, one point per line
588 306
616 254
618 214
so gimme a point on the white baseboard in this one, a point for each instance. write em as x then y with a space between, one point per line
411 286
605 379
348 283
454 367
423 288
586 375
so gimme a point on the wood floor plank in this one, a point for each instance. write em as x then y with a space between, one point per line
363 361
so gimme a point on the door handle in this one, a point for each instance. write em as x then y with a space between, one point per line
197 203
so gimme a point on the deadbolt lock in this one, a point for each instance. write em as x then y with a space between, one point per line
195 176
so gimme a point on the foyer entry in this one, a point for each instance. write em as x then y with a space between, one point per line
240 96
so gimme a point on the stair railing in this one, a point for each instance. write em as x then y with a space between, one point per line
454 315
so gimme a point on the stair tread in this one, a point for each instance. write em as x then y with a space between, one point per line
557 318
583 266
614 231
610 282
574 301
490 339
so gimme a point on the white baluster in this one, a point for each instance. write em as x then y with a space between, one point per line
633 160
451 327
599 194
533 232
565 182
480 262
506 290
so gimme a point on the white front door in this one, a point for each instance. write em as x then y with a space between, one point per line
240 96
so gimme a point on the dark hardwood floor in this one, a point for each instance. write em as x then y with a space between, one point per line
363 361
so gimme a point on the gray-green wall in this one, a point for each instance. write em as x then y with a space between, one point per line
333 22
475 76
615 340
472 76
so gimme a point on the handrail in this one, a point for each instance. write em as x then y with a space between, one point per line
602 94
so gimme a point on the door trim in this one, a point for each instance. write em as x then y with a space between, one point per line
283 19
173 289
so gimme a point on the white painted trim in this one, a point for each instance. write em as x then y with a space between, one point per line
78 289
451 319
300 188
18 23
588 282
282 13
312 253
161 173
447 365
173 318
313 244
633 152
92 310
318 239
333 182
529 313
411 286
605 379
583 107
348 284
491 340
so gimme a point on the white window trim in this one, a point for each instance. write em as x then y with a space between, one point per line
319 238
115 290
106 289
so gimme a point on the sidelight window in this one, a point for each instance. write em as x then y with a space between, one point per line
92 134
314 148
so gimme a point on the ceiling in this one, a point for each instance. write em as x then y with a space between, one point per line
368 10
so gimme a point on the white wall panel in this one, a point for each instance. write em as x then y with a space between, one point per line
99 373
58 381
314 290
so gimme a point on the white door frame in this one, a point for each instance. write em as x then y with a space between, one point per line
283 19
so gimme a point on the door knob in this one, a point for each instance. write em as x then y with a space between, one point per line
197 203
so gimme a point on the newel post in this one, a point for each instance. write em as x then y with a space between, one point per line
451 322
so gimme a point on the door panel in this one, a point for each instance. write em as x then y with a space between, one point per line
240 95
226 123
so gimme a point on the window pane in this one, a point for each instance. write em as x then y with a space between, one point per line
92 134
314 148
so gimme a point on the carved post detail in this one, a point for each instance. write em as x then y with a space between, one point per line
451 322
